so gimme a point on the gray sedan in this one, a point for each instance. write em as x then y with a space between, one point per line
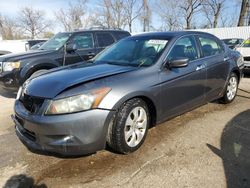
116 97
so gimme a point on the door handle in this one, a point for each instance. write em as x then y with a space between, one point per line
200 67
226 58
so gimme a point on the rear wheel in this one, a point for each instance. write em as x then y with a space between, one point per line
130 127
231 90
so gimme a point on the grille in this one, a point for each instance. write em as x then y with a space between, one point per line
32 104
1 67
246 58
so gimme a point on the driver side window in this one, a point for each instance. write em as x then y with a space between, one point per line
184 48
83 41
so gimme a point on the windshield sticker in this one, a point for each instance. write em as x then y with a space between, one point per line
158 42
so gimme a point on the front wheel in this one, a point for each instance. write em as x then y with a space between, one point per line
231 89
130 127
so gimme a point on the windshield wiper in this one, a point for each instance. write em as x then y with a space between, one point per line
121 64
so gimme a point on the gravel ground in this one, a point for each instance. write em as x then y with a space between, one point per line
207 147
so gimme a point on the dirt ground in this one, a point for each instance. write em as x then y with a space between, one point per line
207 147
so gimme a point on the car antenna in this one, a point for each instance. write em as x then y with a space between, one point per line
64 54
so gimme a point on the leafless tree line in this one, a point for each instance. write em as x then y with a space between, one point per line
125 14
30 23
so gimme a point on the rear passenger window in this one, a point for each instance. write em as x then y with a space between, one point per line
104 39
121 35
209 46
184 48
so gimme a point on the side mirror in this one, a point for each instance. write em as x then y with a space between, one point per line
70 48
178 63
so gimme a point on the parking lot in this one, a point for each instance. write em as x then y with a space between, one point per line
207 147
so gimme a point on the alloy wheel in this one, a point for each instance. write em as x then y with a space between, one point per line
135 127
232 88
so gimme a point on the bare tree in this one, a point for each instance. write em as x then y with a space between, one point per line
110 14
133 9
169 14
190 8
229 20
73 17
243 12
32 21
212 10
146 16
9 29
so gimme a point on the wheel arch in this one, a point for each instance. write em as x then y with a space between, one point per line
30 68
237 72
147 98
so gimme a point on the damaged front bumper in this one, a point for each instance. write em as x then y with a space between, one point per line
67 135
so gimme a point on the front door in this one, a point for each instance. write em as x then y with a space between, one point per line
84 43
182 88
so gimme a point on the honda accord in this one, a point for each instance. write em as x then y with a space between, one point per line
116 97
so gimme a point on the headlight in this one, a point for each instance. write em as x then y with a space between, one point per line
9 66
19 93
78 103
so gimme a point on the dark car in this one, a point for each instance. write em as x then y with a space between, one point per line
137 83
16 68
31 43
36 46
233 42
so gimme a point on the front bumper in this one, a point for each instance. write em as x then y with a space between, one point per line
67 135
247 64
9 81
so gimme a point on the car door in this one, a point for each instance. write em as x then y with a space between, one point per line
182 88
84 43
215 59
103 39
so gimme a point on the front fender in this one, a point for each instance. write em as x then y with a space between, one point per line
33 66
113 101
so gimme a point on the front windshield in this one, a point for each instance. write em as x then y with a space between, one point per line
133 52
56 42
246 43
231 41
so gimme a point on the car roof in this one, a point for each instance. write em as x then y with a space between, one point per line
99 30
171 34
232 39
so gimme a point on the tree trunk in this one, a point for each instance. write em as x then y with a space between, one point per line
130 27
216 16
243 11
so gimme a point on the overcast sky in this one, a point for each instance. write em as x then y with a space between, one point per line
11 7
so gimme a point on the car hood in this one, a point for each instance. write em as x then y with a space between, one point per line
24 55
245 52
49 85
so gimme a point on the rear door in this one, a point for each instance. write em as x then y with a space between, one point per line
103 39
85 46
215 60
183 88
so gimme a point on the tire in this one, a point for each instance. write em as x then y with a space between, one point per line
231 89
128 123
